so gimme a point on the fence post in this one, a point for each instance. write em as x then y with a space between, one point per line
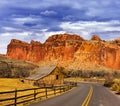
46 92
15 97
60 89
76 84
70 86
54 91
67 88
34 94
63 88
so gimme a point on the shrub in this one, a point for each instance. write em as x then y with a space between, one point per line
108 83
116 85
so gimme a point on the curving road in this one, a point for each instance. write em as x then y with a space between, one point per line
86 94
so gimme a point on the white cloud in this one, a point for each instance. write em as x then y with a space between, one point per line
6 38
43 30
9 29
68 17
48 12
86 28
22 20
15 34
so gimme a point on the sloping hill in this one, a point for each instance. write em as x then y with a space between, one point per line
15 68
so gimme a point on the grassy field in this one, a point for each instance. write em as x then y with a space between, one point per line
9 84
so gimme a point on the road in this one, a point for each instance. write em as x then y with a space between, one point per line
86 94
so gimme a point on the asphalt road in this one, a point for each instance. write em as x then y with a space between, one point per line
86 94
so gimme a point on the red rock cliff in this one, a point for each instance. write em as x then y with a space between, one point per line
63 48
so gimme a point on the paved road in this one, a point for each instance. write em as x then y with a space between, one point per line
86 94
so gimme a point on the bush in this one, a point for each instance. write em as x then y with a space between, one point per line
108 83
116 85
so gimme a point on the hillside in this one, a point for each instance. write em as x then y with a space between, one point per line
15 68
68 51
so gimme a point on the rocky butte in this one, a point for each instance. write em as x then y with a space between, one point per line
68 51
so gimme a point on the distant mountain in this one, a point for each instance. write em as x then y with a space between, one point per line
68 51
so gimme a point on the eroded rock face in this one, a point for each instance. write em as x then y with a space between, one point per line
64 48
95 37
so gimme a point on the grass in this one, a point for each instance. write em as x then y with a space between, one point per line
10 84
78 79
74 79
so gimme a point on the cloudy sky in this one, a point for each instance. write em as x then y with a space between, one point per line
38 19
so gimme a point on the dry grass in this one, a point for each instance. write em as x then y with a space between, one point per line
78 79
74 79
9 84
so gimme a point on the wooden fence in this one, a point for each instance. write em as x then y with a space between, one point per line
17 97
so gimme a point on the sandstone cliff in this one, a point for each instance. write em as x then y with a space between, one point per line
62 49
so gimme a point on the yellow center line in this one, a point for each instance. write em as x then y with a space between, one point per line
87 99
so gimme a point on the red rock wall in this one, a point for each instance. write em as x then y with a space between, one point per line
65 47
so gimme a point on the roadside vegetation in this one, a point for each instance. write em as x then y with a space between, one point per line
113 81
116 85
108 78
113 84
93 74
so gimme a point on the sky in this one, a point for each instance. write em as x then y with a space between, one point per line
38 19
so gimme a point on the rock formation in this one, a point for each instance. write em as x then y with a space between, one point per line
62 49
95 37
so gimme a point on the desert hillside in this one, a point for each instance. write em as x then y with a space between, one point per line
15 68
67 50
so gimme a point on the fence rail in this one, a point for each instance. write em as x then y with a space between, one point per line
32 94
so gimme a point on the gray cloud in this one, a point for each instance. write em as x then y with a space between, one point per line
38 19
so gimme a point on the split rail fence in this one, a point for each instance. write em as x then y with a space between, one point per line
18 97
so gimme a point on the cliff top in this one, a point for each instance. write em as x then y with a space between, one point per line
64 37
18 41
95 37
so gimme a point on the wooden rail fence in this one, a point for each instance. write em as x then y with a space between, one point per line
16 97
